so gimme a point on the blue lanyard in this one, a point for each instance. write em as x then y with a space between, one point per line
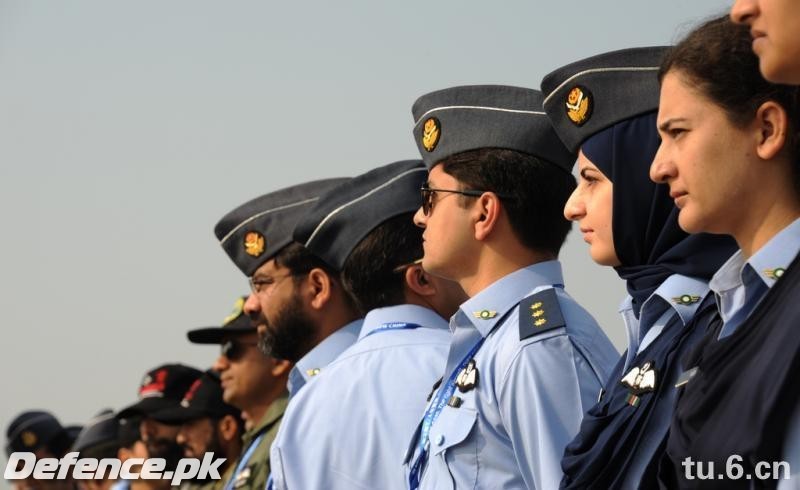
394 326
432 413
244 460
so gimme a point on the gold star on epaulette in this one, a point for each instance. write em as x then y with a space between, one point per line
775 274
686 299
540 322
485 314
538 312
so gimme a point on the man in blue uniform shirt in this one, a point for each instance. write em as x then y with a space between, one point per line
301 311
350 430
526 361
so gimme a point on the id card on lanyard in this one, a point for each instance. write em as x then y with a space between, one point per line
243 461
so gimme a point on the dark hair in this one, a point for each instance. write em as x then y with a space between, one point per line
369 273
717 57
299 260
537 190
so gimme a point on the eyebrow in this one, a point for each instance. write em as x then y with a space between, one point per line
666 124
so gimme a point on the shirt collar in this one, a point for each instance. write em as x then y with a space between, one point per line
489 306
684 294
418 315
323 354
768 263
273 413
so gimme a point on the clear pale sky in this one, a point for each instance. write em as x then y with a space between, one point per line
128 128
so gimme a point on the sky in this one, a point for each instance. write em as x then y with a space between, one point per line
128 128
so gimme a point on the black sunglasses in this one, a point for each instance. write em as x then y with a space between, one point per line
428 193
233 350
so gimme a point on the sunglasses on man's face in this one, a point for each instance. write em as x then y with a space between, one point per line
234 350
428 196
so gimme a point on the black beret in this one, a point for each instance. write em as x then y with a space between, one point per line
102 431
254 232
160 389
459 119
32 430
235 322
346 214
592 94
202 399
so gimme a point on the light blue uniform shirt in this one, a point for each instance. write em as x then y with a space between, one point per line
320 356
740 285
657 312
510 431
356 418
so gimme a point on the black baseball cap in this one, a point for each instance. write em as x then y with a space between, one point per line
161 388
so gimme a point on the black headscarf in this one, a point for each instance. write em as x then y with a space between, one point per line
651 247
648 241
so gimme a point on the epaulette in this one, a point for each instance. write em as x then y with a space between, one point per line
539 313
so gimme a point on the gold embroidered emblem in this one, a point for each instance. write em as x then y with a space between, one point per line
536 305
28 438
540 322
431 131
579 105
686 299
254 243
538 313
485 314
775 274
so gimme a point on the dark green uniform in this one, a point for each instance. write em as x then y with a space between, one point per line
254 473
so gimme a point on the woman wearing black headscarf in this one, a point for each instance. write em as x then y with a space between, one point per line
604 109
730 156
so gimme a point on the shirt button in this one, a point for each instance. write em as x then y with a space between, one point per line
440 440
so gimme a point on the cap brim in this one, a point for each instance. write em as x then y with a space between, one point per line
145 407
177 415
214 335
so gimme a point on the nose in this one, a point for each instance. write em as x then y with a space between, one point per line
662 170
221 364
743 11
419 218
575 208
251 305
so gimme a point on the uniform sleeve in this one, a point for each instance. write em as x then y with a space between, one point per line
546 389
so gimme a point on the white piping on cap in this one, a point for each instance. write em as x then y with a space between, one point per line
262 213
597 70
498 109
345 205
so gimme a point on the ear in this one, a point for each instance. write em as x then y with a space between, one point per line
280 367
772 124
319 287
487 211
228 428
418 281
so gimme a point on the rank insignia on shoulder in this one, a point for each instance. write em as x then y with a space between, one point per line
242 478
485 314
775 274
431 132
686 299
539 313
640 380
468 377
579 105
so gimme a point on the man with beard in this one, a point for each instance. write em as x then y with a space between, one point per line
161 389
302 311
253 383
208 425
364 229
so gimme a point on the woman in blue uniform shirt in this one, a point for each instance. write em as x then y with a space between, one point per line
604 107
730 157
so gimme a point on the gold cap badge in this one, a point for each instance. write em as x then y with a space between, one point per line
431 131
254 243
579 105
28 438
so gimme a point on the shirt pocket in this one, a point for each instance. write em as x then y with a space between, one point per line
453 461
